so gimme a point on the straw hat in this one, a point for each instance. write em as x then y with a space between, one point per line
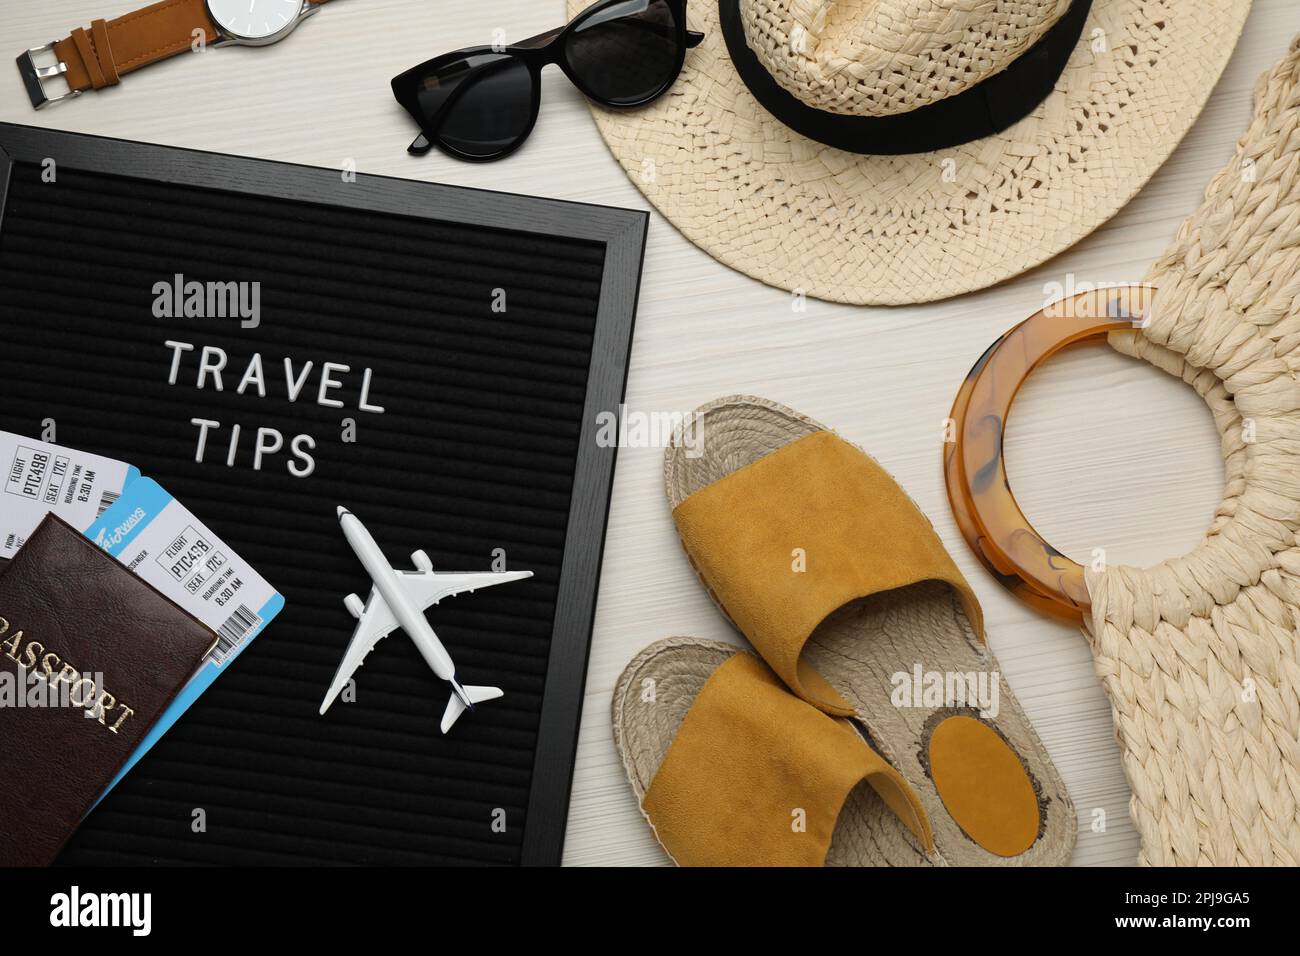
942 146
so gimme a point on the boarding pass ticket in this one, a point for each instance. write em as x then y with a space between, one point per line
40 478
162 541
159 539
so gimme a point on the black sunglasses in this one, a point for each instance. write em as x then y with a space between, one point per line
481 103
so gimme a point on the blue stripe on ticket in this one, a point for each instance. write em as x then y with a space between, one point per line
161 541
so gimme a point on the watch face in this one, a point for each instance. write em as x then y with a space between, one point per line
254 19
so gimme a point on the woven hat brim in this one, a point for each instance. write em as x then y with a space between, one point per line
892 230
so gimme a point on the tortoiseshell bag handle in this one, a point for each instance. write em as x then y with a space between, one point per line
974 470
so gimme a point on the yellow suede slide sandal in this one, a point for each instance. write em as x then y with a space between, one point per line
731 769
823 562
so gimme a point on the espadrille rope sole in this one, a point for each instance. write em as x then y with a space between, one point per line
862 649
651 699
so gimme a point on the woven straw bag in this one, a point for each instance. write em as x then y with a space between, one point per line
1200 655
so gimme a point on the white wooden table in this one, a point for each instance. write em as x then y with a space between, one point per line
1104 452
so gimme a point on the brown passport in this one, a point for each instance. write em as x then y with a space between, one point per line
96 654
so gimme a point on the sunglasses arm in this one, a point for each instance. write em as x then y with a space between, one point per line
693 39
541 40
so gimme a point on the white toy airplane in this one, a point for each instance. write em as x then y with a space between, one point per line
398 599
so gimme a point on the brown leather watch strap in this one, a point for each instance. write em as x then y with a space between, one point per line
98 57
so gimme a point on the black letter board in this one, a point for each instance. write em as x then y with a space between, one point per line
496 329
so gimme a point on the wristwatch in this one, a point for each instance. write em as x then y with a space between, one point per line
100 56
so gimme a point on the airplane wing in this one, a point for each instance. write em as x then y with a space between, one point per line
427 588
375 624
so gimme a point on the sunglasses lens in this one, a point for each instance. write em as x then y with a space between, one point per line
626 53
493 106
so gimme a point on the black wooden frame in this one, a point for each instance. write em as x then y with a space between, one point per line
621 231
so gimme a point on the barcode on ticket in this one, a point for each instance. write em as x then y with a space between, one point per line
232 633
106 501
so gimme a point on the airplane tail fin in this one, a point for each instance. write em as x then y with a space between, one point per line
474 695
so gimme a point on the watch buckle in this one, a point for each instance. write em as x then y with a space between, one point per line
34 76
